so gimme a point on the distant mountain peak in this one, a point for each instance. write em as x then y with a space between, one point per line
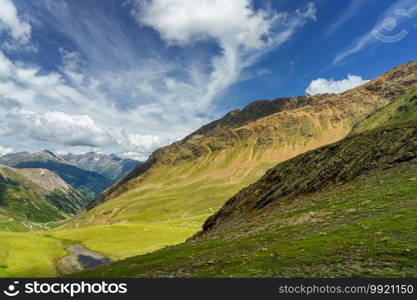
50 153
111 165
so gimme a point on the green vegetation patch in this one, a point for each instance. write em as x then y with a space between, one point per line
403 109
28 255
121 241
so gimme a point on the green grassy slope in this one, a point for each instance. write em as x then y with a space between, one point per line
347 209
124 240
35 196
318 169
7 223
29 255
405 108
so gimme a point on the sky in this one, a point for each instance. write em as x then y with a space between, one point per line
130 76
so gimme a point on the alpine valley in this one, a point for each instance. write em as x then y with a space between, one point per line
321 185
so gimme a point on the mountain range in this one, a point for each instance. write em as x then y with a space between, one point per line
316 185
111 166
90 173
43 187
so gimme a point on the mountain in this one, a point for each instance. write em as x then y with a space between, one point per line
87 182
111 166
190 179
386 138
35 195
183 184
347 209
323 220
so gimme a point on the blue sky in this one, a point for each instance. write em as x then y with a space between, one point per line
130 76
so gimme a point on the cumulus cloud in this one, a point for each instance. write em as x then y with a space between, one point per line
322 85
9 103
146 143
187 21
135 155
74 130
5 67
71 130
19 30
5 150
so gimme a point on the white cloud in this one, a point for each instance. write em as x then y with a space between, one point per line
9 103
357 46
72 130
37 114
9 21
229 22
135 155
5 67
262 72
72 64
323 86
146 143
351 10
5 150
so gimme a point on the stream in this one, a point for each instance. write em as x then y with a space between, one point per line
80 258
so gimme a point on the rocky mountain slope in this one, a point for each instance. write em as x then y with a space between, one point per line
37 196
194 177
87 182
385 138
344 210
111 166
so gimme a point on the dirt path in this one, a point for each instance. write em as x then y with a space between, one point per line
80 258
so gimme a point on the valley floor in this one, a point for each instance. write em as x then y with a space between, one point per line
31 254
